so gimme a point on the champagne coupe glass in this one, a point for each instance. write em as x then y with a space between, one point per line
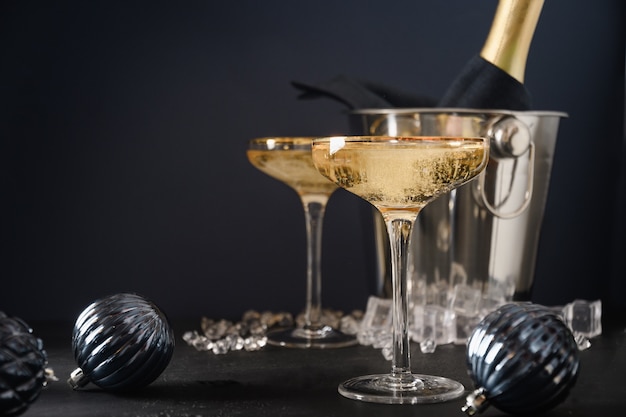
400 176
288 159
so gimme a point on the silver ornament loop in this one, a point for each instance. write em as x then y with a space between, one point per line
476 402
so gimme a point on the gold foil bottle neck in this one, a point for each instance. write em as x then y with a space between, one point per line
509 39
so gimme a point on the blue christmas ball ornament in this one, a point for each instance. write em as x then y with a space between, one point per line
121 342
522 358
22 366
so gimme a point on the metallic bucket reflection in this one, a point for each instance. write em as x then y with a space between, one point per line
488 229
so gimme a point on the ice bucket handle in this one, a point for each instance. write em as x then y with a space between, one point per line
509 138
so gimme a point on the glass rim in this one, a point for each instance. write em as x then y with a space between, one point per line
283 139
402 138
281 143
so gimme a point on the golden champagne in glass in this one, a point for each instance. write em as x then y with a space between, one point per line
400 176
288 159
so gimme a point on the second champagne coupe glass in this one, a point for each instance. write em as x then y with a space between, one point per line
288 159
400 176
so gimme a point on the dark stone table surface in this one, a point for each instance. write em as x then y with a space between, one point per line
295 382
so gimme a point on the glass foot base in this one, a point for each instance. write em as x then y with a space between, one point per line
323 338
412 389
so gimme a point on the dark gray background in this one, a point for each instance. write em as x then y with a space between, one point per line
123 128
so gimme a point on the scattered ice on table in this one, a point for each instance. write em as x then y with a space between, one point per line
464 326
582 342
223 336
250 334
269 319
465 300
215 329
328 317
438 315
189 336
490 302
501 289
198 341
438 293
584 317
221 346
253 343
433 322
387 352
428 346
351 324
376 323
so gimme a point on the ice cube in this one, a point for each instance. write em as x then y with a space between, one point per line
465 300
376 321
584 317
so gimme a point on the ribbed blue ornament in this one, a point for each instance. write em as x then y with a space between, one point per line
22 366
522 358
121 342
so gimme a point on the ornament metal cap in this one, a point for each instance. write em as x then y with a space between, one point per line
77 379
476 402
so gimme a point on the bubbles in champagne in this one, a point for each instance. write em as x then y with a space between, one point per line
401 175
293 167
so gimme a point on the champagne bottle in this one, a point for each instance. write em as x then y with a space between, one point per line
494 79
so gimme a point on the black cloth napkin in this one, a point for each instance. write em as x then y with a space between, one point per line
361 94
482 85
479 85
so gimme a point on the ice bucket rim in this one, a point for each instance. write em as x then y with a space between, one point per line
463 111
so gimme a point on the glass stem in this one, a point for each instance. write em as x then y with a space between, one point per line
399 237
314 209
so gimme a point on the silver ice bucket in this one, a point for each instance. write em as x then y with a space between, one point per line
484 234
